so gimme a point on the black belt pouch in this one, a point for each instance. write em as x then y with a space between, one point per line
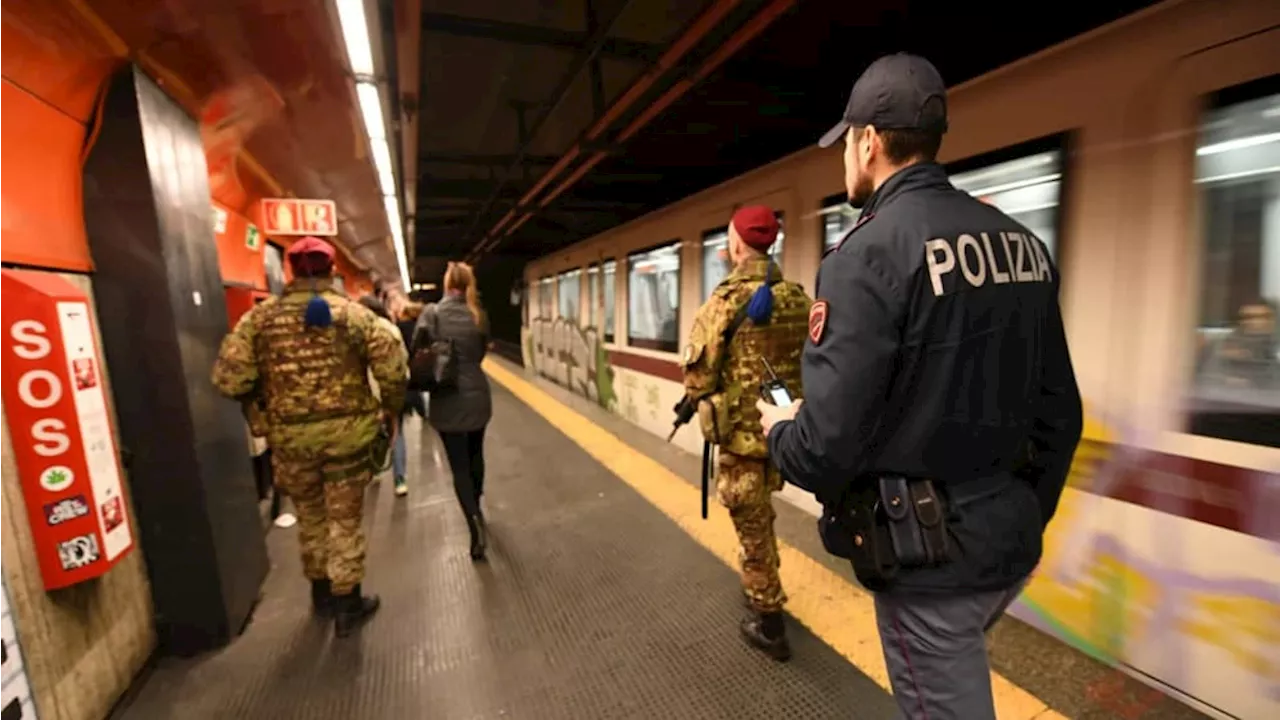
916 521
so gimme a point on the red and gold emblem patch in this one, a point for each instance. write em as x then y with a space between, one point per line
817 321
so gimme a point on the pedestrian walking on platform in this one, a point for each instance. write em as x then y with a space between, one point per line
754 320
399 450
942 410
461 405
306 357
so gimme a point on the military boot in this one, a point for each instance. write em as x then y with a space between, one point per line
766 632
353 610
322 598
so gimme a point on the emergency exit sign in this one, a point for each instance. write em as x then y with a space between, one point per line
296 216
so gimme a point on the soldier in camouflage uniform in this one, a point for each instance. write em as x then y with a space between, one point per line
305 358
725 381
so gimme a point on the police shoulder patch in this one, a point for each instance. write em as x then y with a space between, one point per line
817 321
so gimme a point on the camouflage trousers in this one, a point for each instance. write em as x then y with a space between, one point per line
328 497
746 486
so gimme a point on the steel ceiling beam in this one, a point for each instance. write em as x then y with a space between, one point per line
597 40
538 36
576 205
483 188
748 31
672 57
480 160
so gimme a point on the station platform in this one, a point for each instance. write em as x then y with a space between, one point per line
605 595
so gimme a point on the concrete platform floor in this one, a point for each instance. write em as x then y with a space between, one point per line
592 605
604 597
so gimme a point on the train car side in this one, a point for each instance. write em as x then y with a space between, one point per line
1147 153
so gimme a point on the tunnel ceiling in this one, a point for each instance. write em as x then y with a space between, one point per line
268 83
507 88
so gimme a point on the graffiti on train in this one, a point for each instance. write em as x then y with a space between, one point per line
572 356
1136 589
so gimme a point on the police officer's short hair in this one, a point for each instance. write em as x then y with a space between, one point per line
903 145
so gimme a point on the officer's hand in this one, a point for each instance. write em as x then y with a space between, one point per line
771 415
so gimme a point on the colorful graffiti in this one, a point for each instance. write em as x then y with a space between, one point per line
1130 586
573 357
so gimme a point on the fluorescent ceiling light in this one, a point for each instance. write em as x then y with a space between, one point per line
382 163
371 109
397 238
355 32
1239 143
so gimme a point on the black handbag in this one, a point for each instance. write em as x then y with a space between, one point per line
434 367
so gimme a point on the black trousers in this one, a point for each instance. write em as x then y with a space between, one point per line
465 451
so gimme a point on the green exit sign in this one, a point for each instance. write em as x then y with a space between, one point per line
252 238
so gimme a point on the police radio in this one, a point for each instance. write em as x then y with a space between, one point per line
772 389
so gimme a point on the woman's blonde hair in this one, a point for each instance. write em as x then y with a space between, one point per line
410 310
459 277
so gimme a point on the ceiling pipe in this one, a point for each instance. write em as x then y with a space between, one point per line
744 35
704 24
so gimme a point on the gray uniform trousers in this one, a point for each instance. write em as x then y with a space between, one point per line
935 650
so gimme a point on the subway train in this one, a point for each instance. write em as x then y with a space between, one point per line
1146 154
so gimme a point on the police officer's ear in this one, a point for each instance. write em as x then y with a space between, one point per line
869 141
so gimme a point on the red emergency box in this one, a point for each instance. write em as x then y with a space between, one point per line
60 425
241 300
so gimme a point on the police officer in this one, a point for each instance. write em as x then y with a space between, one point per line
306 357
767 317
936 363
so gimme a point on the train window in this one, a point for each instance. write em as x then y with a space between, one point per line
610 287
1027 188
715 259
715 255
592 315
1236 390
837 217
653 298
570 284
546 298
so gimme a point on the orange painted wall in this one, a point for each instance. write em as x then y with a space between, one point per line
52 72
55 60
239 263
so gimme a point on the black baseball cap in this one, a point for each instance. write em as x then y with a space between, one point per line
897 92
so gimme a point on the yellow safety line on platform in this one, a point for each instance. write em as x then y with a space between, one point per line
835 610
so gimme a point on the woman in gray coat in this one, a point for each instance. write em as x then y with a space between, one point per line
461 413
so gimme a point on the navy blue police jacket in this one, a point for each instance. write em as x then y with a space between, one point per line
936 350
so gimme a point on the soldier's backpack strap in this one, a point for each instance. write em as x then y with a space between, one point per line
732 328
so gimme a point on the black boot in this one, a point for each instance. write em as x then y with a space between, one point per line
478 540
321 598
353 610
766 632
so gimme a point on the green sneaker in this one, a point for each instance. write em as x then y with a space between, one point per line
402 488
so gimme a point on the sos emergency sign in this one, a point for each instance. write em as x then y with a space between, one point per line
56 408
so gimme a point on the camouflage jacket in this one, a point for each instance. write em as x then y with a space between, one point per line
736 387
312 384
